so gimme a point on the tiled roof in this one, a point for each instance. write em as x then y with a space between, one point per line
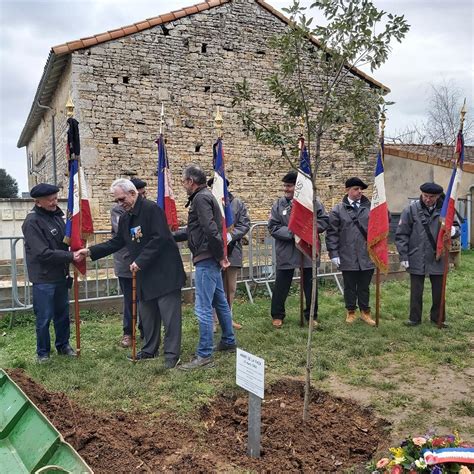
440 155
59 55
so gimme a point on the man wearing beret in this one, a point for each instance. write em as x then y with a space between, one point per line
415 239
47 260
346 241
122 267
155 257
288 257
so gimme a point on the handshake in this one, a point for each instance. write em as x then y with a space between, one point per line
80 255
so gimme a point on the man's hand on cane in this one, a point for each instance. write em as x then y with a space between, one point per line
134 267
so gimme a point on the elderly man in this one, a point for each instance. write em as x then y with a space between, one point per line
346 241
204 235
155 257
415 239
288 257
47 260
122 267
234 247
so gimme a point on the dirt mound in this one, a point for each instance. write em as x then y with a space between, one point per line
339 435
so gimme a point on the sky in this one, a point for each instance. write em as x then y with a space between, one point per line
439 47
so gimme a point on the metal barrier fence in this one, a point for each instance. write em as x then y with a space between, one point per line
101 284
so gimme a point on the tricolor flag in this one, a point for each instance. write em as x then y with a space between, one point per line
165 198
378 226
305 165
449 205
78 218
220 191
445 455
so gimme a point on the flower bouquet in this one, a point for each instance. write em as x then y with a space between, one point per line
427 454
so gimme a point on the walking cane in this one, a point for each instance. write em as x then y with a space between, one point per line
134 314
301 291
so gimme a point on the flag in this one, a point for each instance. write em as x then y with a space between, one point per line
165 198
378 226
305 164
220 191
78 217
449 205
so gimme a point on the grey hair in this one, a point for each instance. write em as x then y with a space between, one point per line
124 184
195 173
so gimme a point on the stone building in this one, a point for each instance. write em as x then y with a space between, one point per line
189 60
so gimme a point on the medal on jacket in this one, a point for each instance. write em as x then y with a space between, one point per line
286 210
136 233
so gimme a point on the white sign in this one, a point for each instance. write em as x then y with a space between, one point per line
250 373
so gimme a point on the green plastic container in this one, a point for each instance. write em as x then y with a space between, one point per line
28 441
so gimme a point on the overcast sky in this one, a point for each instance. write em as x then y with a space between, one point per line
438 47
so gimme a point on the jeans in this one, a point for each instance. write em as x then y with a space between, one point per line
51 302
210 294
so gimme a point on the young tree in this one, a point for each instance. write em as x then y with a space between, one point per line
8 185
342 109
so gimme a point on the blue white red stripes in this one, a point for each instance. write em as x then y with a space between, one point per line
378 226
440 456
449 205
165 198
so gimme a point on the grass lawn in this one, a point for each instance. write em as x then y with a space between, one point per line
418 377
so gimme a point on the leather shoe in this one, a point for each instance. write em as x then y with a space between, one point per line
198 362
67 350
277 323
141 356
236 325
221 347
351 316
411 323
42 359
172 363
444 325
126 341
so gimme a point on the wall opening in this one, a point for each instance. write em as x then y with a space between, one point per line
115 140
204 48
197 148
125 79
207 88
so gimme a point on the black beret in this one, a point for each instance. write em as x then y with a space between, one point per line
290 177
43 189
139 184
431 188
210 182
355 182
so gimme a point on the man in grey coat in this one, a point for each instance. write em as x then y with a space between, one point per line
234 248
288 257
346 241
415 239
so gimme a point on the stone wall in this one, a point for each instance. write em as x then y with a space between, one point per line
191 66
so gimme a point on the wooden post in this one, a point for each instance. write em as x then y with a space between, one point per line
134 315
377 296
442 306
302 291
254 425
77 317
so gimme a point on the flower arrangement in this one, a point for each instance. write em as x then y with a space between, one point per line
427 454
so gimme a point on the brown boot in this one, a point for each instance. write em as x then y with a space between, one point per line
351 316
367 318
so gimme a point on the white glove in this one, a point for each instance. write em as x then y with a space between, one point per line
453 231
229 237
405 264
336 261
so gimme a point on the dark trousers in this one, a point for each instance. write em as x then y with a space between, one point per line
417 284
51 302
166 309
126 288
356 289
282 287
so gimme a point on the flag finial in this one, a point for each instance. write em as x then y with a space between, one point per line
218 122
69 107
463 113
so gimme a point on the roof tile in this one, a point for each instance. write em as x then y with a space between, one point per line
191 10
118 33
89 41
129 30
155 21
167 17
103 37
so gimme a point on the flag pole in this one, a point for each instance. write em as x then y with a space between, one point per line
77 318
162 118
442 306
134 315
377 269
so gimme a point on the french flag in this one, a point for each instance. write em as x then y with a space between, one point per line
378 226
78 218
441 456
165 198
449 205
220 191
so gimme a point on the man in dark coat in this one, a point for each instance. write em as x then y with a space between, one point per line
47 260
239 229
346 241
160 274
415 239
288 257
204 236
122 267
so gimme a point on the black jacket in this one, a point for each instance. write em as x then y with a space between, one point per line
145 233
47 257
204 230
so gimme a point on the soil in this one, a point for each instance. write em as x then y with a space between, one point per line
339 435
